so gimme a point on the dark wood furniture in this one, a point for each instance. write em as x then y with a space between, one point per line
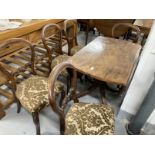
31 93
52 40
70 30
8 73
17 54
104 26
130 27
107 59
80 116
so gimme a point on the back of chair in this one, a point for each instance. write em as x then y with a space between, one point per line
128 26
71 94
52 39
104 26
70 29
29 47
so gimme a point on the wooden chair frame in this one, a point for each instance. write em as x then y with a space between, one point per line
11 75
71 39
130 27
56 36
71 95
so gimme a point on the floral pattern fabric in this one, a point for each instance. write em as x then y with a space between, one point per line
89 119
33 92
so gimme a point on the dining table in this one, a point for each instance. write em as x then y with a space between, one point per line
108 60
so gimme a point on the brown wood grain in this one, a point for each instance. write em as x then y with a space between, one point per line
29 31
20 55
104 26
27 28
107 59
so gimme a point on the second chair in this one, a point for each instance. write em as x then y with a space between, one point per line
31 93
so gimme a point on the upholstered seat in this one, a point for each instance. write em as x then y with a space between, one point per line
89 119
33 92
59 59
75 49
81 118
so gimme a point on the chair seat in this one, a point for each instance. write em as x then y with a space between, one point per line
59 59
75 49
89 119
33 92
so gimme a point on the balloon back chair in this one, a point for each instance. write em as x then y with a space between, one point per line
52 40
81 118
31 93
127 27
70 30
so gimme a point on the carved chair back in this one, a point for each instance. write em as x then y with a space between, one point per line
128 26
70 30
4 64
29 48
52 39
71 95
104 26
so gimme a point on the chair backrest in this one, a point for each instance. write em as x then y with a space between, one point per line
129 26
51 36
52 80
104 26
29 48
70 29
71 95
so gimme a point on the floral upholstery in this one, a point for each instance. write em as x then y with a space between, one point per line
33 92
89 119
59 59
75 49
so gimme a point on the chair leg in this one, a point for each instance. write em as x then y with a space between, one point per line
35 116
18 106
62 98
18 102
68 83
62 126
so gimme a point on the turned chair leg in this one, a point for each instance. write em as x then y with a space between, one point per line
35 116
62 126
68 83
62 98
18 106
16 99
